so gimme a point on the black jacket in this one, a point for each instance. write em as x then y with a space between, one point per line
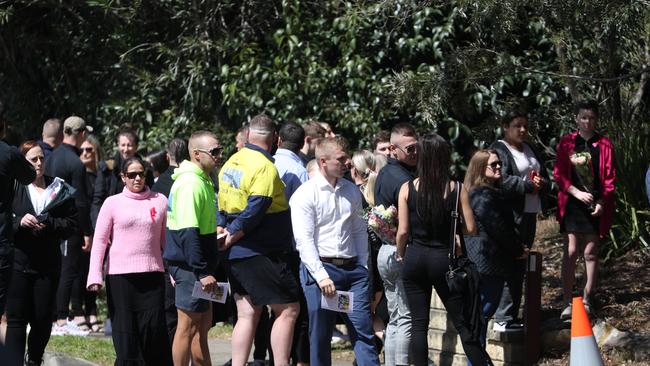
39 251
501 243
64 162
390 180
109 183
164 183
512 184
13 167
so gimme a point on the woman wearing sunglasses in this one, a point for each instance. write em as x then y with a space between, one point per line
497 246
526 182
82 301
44 213
134 221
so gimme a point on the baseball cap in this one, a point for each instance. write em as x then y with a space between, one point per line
76 124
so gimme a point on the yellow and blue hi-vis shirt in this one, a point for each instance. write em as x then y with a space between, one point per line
251 198
191 221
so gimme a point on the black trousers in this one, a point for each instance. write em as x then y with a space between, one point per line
136 305
5 278
424 267
82 301
30 299
69 273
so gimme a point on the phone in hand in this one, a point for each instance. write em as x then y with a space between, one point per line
42 217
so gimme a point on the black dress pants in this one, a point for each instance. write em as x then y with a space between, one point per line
30 299
424 267
69 273
136 305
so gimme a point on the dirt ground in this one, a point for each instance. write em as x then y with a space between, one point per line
622 297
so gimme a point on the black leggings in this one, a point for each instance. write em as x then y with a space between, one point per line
29 300
136 305
423 267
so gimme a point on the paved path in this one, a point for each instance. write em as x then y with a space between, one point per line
219 353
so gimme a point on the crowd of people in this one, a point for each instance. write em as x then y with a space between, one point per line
281 223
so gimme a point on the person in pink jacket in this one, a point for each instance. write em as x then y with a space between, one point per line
585 173
130 232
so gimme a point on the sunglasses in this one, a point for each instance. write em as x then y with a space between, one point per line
214 152
132 175
407 150
87 149
495 165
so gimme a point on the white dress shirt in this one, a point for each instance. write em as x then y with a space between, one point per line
327 222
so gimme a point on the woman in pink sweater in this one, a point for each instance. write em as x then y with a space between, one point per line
134 223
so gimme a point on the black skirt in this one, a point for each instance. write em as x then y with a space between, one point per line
578 219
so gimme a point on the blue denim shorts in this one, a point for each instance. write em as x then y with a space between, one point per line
184 285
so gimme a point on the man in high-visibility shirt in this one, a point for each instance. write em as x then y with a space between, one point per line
191 251
254 214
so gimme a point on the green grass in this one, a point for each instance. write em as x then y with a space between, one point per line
220 331
96 350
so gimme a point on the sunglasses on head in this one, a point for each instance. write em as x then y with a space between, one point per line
87 149
132 175
215 151
495 164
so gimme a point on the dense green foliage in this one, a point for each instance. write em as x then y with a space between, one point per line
169 67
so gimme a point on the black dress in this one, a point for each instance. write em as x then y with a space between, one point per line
577 218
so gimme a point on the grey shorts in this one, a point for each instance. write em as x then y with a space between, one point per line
184 285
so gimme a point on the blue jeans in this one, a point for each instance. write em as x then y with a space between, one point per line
321 322
491 288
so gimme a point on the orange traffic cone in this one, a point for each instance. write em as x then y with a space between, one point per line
584 350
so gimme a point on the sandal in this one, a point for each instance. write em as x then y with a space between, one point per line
97 326
85 326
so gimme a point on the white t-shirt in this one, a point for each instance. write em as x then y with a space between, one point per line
526 162
41 199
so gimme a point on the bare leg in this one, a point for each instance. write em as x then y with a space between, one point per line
591 265
282 331
242 335
200 350
569 265
188 326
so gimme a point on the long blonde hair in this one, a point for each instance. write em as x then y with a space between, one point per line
475 175
367 165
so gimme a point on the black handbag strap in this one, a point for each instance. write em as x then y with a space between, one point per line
454 225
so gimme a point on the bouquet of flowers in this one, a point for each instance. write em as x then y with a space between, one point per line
582 164
383 222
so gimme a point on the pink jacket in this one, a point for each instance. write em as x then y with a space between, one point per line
606 171
134 224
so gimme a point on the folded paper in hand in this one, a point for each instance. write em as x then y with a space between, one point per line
342 302
219 293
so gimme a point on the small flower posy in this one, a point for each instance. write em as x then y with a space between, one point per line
383 222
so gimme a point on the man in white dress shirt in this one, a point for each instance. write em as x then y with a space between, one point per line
332 240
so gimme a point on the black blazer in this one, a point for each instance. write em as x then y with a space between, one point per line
512 184
39 251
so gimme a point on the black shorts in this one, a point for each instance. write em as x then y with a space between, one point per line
267 279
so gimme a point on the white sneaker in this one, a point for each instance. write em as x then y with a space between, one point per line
338 337
74 330
58 330
567 313
510 326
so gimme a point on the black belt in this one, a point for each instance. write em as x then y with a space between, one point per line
339 262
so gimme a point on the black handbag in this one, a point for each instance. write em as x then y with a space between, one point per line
461 269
